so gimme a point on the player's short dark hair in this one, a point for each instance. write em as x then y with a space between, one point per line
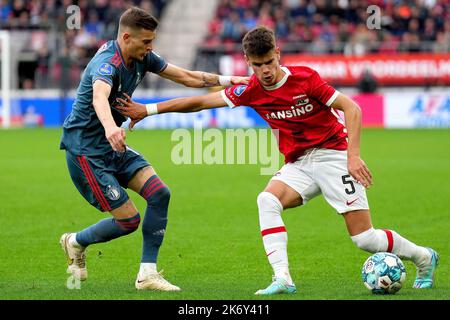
258 42
136 18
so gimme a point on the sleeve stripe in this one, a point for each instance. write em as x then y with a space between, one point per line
332 98
227 100
163 68
102 79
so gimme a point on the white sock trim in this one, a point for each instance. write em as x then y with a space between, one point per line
73 241
147 268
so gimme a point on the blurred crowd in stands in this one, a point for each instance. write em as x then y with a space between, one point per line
336 26
100 16
312 26
62 53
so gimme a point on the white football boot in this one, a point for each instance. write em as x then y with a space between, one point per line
76 258
154 281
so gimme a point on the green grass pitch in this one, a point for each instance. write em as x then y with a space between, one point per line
213 248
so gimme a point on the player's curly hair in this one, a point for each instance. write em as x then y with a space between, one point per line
258 42
136 18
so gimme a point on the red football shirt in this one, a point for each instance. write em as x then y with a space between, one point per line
298 106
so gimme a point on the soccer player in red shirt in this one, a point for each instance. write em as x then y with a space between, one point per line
322 155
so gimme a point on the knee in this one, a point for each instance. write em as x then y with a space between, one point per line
268 200
155 190
129 225
263 198
164 193
161 195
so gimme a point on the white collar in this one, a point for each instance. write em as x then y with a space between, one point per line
277 85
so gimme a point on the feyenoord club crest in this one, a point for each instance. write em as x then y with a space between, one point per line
113 193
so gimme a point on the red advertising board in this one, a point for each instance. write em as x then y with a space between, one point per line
395 69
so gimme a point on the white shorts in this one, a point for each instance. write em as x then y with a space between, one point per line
324 171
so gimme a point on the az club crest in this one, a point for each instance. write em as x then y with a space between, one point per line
301 100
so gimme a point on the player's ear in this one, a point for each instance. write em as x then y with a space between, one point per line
247 60
278 53
126 37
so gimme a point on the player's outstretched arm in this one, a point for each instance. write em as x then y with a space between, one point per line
138 111
199 79
352 112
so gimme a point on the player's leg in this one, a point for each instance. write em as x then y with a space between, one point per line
349 199
276 197
137 174
373 240
157 194
290 187
125 220
96 182
102 190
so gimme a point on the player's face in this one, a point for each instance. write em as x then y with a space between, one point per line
267 67
140 43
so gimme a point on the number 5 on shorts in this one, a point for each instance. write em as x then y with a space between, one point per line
346 180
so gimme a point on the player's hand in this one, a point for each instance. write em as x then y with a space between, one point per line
239 80
116 137
359 171
134 110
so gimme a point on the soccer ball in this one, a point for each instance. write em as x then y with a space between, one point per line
383 273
